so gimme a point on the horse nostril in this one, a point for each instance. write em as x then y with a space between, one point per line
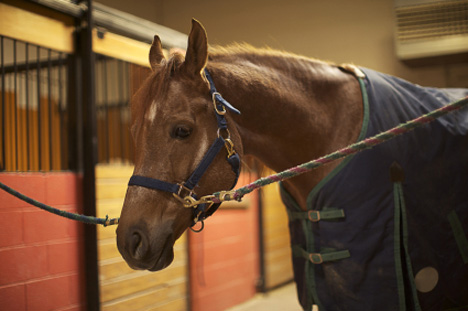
138 246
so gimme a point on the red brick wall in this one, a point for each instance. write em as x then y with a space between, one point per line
40 258
224 258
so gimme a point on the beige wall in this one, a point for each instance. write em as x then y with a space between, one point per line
358 31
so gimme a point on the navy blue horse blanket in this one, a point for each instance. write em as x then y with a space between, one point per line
388 228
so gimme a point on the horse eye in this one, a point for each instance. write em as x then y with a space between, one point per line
181 132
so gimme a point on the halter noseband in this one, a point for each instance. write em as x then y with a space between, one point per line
184 191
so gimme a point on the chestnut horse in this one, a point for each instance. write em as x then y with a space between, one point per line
293 109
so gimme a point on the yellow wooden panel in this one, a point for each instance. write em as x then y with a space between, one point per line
148 298
107 232
122 48
175 305
278 254
110 207
277 275
34 28
278 262
112 269
107 249
113 171
139 282
276 244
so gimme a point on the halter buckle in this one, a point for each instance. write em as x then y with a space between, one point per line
219 112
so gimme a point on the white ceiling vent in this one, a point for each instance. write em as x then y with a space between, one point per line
431 29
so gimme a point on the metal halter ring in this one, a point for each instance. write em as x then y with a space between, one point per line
227 131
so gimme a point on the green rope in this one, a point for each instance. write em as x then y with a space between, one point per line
86 219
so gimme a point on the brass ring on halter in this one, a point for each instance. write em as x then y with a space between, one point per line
198 230
227 131
220 112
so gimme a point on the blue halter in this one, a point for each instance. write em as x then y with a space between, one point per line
184 191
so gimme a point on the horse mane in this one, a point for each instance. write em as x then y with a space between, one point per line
248 52
236 52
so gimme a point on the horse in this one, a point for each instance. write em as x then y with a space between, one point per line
359 239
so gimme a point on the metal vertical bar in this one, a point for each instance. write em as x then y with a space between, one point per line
3 105
49 107
106 138
61 115
121 108
126 115
129 95
15 93
89 157
75 111
39 125
261 282
28 156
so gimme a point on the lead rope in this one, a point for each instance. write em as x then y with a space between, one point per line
237 194
83 218
342 153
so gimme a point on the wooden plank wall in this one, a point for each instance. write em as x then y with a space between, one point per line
23 146
121 287
278 263
224 256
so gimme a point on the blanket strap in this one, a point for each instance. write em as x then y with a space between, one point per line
315 215
459 234
319 258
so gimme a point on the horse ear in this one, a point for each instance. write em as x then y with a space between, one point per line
156 55
197 49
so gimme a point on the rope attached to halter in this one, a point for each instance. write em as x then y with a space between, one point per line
83 218
237 194
342 153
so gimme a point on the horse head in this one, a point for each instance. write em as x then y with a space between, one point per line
173 127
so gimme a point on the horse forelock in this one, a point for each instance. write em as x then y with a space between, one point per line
155 87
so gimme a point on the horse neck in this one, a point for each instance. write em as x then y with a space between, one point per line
293 110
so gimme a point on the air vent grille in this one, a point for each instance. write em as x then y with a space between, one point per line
432 20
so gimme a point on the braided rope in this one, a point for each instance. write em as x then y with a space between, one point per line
83 218
350 150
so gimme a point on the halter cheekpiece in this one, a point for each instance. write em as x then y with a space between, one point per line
184 191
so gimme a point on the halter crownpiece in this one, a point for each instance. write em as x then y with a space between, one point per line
183 192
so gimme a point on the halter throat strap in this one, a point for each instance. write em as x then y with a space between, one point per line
184 191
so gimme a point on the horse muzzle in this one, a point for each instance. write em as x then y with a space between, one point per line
145 251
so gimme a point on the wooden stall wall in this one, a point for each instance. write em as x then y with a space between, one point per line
224 257
277 249
31 129
41 254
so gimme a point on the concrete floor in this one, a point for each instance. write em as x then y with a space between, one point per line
281 299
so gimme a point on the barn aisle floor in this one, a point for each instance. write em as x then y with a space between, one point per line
281 299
